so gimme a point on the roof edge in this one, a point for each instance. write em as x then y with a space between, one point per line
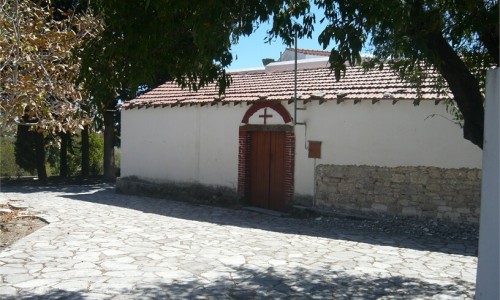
303 64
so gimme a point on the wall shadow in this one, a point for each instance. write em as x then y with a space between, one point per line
246 283
105 194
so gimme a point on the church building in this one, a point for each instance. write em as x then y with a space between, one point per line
368 144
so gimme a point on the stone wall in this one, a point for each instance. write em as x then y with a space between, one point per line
189 192
428 192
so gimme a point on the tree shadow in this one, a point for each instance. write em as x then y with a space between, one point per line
70 185
247 283
105 194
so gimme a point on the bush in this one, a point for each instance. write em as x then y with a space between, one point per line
8 166
96 155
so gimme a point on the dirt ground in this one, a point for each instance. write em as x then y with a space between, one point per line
15 224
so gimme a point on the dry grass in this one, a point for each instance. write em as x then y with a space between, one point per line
6 217
15 224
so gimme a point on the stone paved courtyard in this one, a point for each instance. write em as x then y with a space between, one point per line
103 245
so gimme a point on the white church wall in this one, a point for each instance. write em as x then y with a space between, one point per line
219 145
200 144
379 134
153 145
182 144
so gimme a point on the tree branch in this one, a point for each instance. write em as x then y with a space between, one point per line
463 85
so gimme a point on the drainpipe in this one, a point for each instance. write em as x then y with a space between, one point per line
295 108
295 83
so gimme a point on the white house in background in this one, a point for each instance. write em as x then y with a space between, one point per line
249 142
289 54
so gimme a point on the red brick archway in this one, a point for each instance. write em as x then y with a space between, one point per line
246 132
276 106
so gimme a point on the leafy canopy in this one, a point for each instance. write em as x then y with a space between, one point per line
37 66
457 38
146 42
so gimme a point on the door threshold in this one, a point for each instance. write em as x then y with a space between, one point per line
265 211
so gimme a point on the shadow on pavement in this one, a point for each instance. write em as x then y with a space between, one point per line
105 194
250 284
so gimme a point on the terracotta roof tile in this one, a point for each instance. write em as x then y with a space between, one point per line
312 84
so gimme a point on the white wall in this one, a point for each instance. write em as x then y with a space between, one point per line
200 144
380 134
184 144
488 267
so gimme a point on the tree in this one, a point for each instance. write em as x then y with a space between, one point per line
30 150
85 146
109 71
63 10
458 39
25 149
65 139
147 42
144 43
38 68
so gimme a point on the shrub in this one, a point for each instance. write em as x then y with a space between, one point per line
96 155
8 166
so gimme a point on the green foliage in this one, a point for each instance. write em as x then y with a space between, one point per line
96 154
147 42
456 40
13 149
96 144
8 166
74 158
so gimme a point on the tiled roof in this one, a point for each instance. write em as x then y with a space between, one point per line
317 84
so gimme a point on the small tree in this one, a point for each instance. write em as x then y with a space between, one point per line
38 68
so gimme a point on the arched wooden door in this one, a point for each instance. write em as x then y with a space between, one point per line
267 169
266 156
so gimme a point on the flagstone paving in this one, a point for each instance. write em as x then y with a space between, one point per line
103 245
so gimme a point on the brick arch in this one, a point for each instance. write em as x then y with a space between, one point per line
276 106
244 150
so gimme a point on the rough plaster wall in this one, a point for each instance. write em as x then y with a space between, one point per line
182 144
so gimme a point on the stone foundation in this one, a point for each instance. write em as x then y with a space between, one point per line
302 200
427 192
189 192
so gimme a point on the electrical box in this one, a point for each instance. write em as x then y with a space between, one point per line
314 149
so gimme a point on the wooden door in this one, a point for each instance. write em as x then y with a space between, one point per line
267 170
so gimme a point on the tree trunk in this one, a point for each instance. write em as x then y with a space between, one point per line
40 158
109 155
63 155
85 152
463 85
